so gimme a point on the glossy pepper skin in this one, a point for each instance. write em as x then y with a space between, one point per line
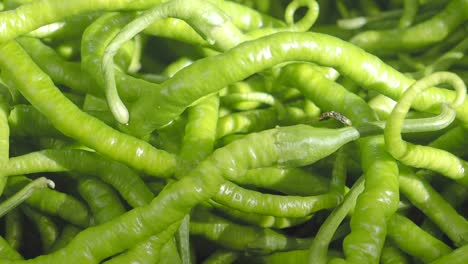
52 202
94 133
102 200
125 180
419 244
296 145
365 69
380 197
374 206
8 252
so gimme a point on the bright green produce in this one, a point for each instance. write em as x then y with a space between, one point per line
242 131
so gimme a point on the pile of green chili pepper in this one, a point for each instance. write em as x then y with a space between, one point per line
246 131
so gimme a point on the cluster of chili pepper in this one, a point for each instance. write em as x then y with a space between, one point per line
192 131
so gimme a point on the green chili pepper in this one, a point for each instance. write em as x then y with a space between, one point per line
24 121
284 47
421 194
147 252
238 237
212 98
47 229
200 133
7 252
71 27
266 221
220 257
278 145
67 233
392 255
169 253
50 201
418 156
409 12
14 228
25 193
413 240
4 138
102 200
214 27
319 247
375 205
51 11
415 37
456 256
292 181
108 141
123 179
276 205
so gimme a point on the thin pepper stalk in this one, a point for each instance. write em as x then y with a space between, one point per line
24 194
216 27
125 180
50 201
95 39
75 75
319 248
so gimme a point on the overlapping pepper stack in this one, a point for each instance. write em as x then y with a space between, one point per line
191 131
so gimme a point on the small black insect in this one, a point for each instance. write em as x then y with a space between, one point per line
335 115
